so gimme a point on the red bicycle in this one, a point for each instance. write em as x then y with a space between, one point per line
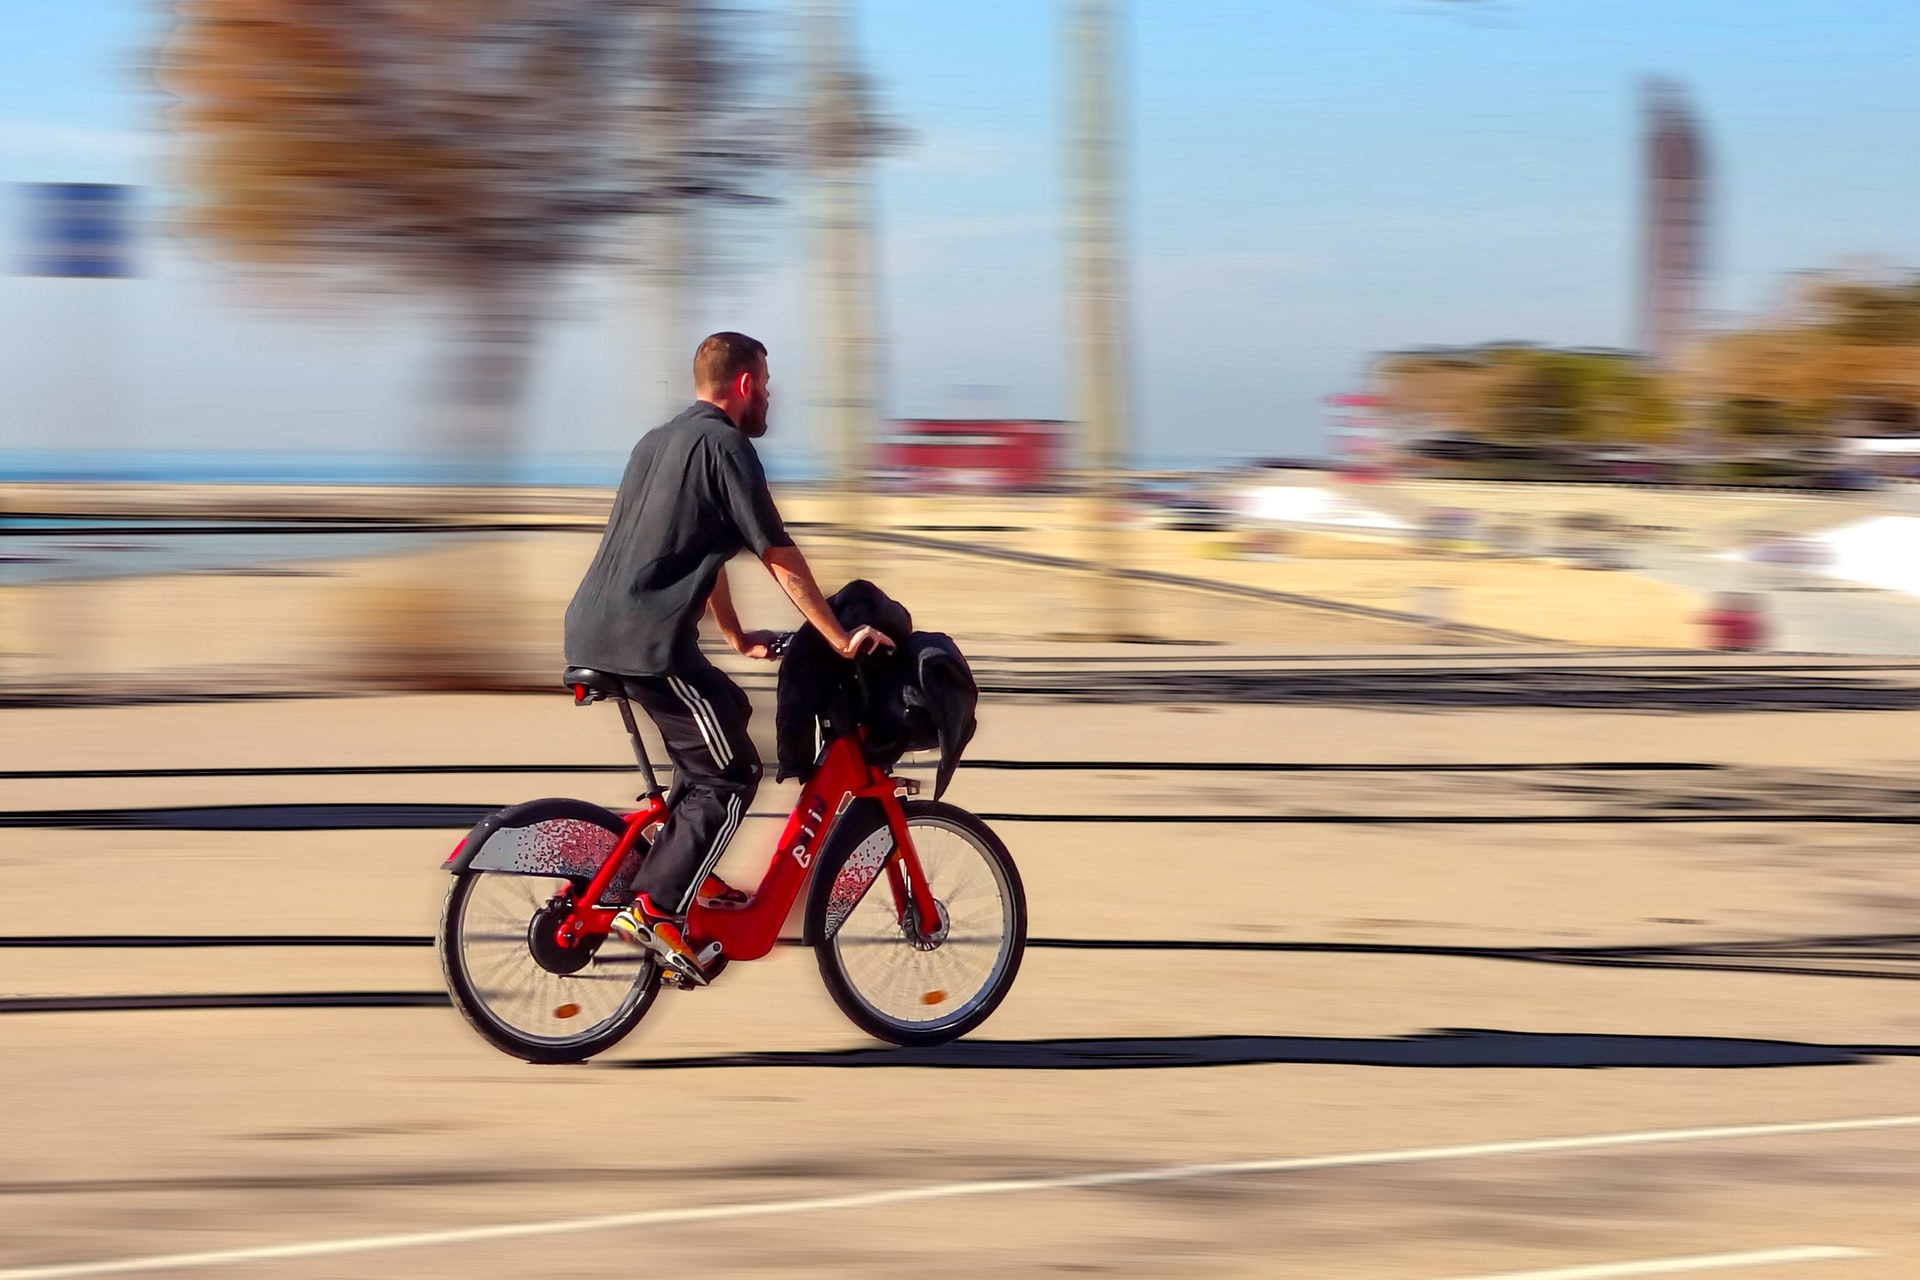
524 936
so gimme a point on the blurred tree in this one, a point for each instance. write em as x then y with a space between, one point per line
470 149
1435 390
1845 358
1874 315
1841 357
1750 418
1513 393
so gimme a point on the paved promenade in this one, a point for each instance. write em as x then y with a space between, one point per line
1462 882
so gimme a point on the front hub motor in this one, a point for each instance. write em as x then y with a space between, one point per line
927 941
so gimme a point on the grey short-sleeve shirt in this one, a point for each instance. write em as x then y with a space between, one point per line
693 496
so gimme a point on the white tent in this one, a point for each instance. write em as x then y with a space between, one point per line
1291 504
1881 552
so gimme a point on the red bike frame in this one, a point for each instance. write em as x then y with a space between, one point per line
749 931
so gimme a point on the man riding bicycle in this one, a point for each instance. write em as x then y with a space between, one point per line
693 496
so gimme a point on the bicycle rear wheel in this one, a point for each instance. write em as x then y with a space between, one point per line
519 989
911 990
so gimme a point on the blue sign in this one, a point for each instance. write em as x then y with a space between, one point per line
79 229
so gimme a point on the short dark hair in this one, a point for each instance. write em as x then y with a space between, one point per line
724 357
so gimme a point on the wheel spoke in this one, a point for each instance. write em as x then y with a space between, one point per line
917 990
514 992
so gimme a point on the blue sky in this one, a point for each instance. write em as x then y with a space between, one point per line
1309 181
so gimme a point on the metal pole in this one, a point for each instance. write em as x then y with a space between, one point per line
1098 305
847 401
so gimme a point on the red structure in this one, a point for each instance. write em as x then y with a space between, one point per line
1361 439
928 455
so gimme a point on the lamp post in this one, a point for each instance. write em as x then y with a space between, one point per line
845 134
1098 305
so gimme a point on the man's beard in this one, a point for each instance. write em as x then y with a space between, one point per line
753 421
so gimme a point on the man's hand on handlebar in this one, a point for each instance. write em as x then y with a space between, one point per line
758 644
865 640
772 645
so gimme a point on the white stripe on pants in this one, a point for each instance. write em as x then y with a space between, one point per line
707 721
720 840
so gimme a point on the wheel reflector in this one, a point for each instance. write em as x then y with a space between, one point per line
933 997
566 1011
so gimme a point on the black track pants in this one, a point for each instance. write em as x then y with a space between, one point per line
703 717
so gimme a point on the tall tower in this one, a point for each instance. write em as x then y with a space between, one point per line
1673 235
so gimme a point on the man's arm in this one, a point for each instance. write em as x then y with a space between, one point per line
790 569
754 515
748 644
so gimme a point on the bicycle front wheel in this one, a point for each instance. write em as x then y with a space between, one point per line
909 989
519 989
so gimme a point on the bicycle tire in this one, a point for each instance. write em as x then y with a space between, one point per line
511 901
854 985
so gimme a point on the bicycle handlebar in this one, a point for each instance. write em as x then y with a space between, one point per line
784 641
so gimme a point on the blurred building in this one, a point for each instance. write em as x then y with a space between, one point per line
1673 232
971 455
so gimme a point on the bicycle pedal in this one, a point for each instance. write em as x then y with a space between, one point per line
685 975
677 980
711 963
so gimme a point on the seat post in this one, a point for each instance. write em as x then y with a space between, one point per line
639 748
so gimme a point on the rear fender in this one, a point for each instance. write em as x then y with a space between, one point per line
565 838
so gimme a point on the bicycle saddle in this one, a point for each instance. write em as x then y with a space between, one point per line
589 685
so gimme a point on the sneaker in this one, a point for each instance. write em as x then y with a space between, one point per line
660 934
717 893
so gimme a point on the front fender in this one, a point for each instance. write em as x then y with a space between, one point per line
849 863
556 837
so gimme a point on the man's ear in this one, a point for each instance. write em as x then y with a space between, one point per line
743 386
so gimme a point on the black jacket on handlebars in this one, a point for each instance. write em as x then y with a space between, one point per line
913 698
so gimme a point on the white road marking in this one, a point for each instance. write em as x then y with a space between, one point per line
937 1191
1676 1266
